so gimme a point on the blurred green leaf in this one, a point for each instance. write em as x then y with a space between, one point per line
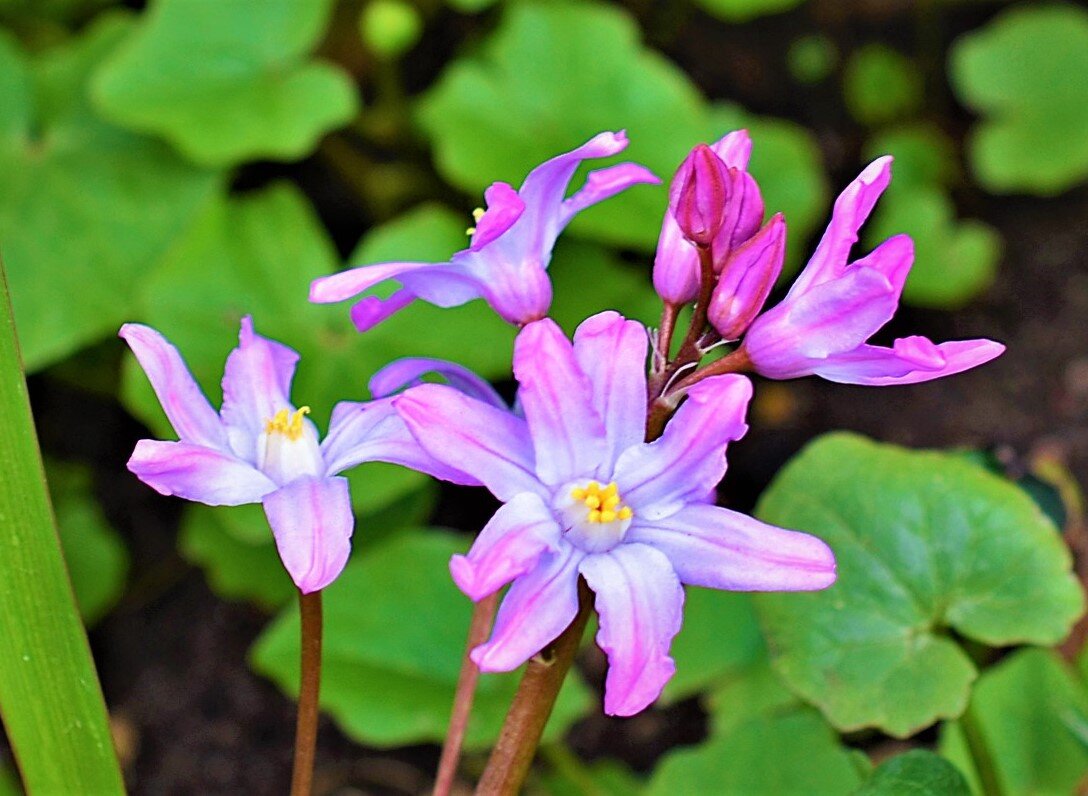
550 77
84 206
1024 73
924 155
588 278
754 692
395 629
390 27
96 557
719 638
228 82
918 772
568 775
926 542
881 85
745 10
471 6
812 59
1021 707
793 752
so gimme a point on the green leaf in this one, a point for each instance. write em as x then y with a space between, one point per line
84 206
228 82
788 166
470 6
570 776
925 542
924 155
390 27
550 77
918 772
812 58
755 692
1021 708
96 557
50 700
1024 74
881 85
793 752
720 637
395 628
745 10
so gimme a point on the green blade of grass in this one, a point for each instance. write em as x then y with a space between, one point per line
50 698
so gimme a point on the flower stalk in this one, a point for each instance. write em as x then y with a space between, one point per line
302 776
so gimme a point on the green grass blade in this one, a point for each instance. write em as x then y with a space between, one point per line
50 698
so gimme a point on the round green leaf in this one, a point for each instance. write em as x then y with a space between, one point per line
881 85
794 752
550 77
918 772
812 59
84 205
924 155
228 82
390 27
925 542
395 628
745 10
1022 709
1024 73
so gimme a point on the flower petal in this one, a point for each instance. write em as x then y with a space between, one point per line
195 472
347 284
676 264
734 148
186 407
910 361
604 183
312 522
893 258
851 209
721 549
611 350
369 311
640 604
409 372
504 208
256 385
537 608
568 434
509 546
688 461
490 444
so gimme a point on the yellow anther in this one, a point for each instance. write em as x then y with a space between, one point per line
478 213
593 486
608 516
594 516
578 493
625 513
610 502
593 502
611 489
283 422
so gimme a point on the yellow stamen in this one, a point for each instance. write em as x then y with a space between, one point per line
290 425
626 513
608 516
604 503
610 502
478 213
594 516
593 502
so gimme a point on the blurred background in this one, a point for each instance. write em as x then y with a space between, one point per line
189 161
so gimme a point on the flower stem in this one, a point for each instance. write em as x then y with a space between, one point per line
689 349
483 614
544 674
309 686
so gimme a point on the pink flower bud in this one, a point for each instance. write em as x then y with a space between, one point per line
747 276
699 195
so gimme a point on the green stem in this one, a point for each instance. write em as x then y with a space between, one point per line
985 765
308 692
50 698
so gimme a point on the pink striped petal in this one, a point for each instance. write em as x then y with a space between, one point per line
605 183
195 472
409 372
504 208
911 360
312 523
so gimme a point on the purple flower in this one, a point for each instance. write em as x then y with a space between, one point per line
746 279
676 264
585 495
260 448
510 249
699 195
834 306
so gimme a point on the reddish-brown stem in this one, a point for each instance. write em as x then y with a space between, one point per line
544 674
660 367
483 614
689 349
308 691
662 407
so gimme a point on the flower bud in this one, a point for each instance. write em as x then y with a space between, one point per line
699 195
747 276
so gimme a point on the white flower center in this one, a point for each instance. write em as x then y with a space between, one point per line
594 517
288 448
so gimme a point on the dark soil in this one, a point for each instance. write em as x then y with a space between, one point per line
191 718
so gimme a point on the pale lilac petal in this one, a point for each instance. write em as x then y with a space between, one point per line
535 611
256 385
350 283
893 258
504 208
510 545
188 411
445 285
546 186
688 460
910 361
746 280
409 372
734 148
568 434
605 183
640 605
374 432
721 549
612 351
676 264
851 209
369 311
831 318
488 443
197 473
312 523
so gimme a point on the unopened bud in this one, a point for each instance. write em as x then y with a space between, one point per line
699 195
746 279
